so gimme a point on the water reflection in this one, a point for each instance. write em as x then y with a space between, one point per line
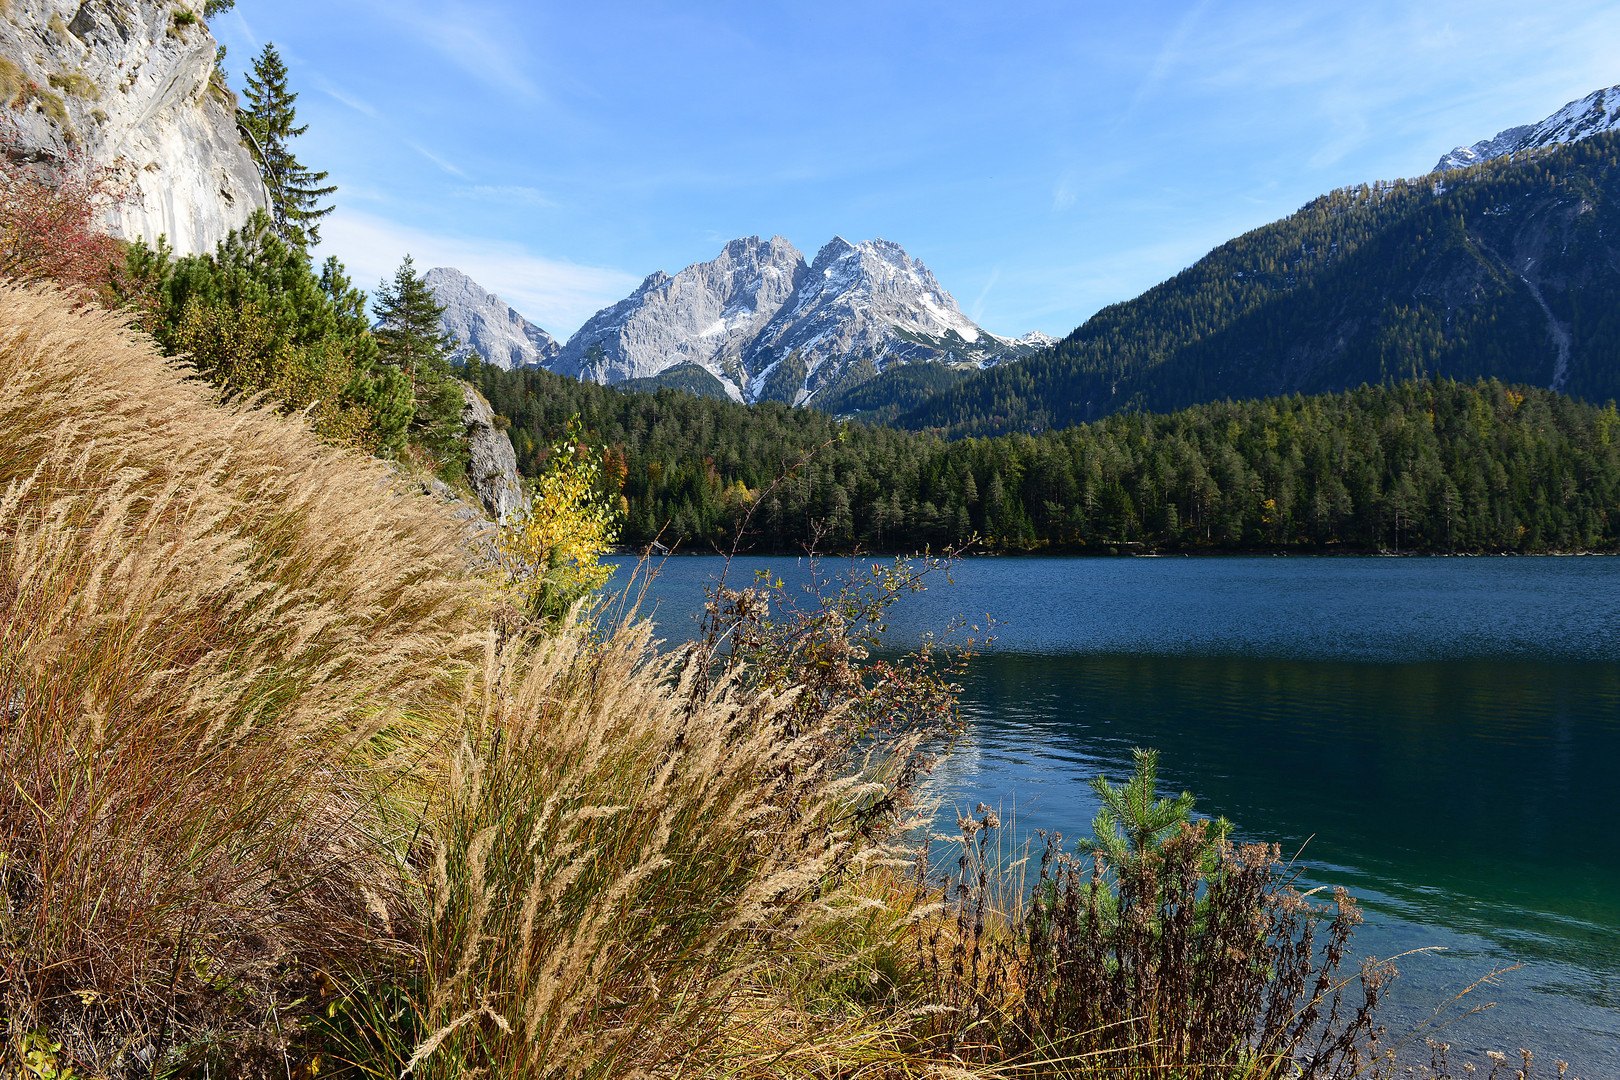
1442 732
1458 787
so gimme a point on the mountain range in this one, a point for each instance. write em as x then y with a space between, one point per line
1509 268
756 323
1503 263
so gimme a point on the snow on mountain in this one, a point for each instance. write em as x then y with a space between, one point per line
1037 340
766 325
708 314
1593 114
485 324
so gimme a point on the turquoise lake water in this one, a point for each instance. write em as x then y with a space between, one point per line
1442 736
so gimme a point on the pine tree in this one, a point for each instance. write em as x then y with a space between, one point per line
255 317
270 120
411 338
1133 823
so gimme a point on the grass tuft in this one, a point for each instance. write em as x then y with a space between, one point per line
208 620
75 84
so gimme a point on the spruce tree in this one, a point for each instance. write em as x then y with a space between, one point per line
271 120
411 338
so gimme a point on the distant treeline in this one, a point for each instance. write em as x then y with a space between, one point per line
1427 465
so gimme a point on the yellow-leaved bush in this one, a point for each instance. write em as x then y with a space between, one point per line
552 555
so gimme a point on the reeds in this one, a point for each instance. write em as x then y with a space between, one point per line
208 623
286 790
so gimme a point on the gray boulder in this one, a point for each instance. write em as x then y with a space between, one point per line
492 466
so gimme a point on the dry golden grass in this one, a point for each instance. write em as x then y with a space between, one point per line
611 854
205 617
267 751
286 790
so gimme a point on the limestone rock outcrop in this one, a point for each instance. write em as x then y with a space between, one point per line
132 82
492 463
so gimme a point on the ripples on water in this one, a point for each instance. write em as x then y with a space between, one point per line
1440 734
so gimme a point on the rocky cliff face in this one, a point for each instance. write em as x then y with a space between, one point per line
1593 114
769 326
130 81
709 314
859 308
492 466
485 324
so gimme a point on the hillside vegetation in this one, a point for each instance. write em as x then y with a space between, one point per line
290 789
1429 465
1507 270
285 781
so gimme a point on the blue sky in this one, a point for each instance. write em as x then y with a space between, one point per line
1044 159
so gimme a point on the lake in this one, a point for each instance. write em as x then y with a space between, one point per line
1441 736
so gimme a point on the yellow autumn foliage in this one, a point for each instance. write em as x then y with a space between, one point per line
552 555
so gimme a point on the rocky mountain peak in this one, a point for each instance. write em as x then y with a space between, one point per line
756 322
833 250
763 324
1037 340
485 324
655 280
1593 114
707 315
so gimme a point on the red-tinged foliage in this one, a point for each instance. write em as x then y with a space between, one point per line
52 214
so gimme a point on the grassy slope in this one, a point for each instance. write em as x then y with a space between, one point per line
282 779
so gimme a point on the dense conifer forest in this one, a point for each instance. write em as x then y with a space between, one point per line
1506 270
1441 298
1419 466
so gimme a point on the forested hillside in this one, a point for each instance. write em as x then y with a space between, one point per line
1429 465
1507 270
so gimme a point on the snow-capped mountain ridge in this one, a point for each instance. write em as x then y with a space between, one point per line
708 314
767 324
1593 114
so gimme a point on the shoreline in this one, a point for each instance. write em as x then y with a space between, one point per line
1069 553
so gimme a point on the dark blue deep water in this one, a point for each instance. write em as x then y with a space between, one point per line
1442 736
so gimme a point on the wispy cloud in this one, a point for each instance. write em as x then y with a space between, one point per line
332 90
556 294
978 301
1169 55
467 35
245 30
508 194
436 159
1375 77
1063 192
